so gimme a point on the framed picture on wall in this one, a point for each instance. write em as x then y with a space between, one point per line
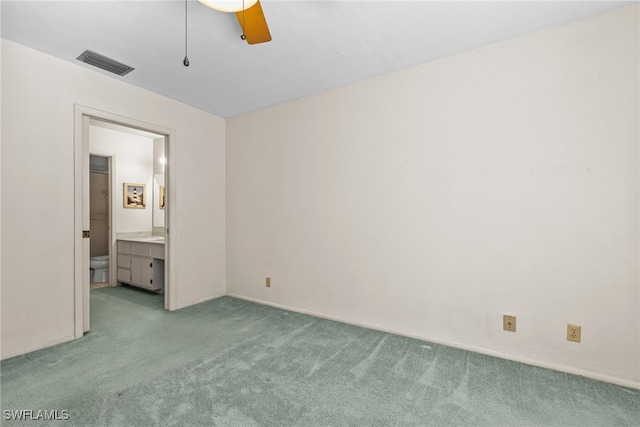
134 195
161 197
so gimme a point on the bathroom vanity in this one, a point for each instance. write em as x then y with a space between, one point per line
141 263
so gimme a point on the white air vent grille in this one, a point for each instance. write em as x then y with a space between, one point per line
101 61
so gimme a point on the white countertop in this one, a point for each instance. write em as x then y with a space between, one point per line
147 239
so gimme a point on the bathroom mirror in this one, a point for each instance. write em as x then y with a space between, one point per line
158 200
159 192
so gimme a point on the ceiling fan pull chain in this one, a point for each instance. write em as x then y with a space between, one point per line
243 36
186 58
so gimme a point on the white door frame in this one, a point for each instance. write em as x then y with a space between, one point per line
82 114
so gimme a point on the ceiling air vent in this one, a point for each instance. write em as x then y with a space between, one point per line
107 64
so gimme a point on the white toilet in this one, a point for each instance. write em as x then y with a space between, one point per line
99 268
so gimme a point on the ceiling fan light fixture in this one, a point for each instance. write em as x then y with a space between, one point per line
228 5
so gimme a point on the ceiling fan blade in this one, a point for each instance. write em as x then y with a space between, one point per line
254 25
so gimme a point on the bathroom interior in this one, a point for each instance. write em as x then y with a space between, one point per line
99 181
127 207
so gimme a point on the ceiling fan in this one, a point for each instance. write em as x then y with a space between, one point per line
250 17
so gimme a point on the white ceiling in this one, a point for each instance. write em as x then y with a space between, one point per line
317 45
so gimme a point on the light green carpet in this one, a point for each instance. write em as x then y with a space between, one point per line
230 362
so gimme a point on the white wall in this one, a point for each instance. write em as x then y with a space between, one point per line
38 97
434 200
1 210
134 164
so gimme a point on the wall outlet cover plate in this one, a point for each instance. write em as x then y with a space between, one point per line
574 333
509 323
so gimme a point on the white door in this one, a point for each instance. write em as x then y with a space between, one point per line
86 221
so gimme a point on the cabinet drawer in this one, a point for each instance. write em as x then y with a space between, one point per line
124 247
141 249
124 275
124 261
157 251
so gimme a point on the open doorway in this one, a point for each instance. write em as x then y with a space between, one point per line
100 220
113 154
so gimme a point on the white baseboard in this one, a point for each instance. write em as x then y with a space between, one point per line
474 349
24 350
209 298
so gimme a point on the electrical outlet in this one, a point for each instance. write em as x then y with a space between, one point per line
573 332
268 282
509 323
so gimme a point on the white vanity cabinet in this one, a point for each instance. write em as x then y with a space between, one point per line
141 264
